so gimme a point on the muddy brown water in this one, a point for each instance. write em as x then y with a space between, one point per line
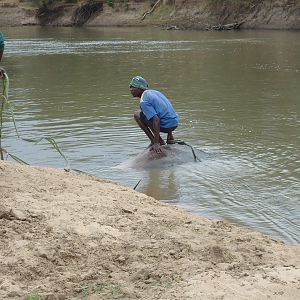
237 94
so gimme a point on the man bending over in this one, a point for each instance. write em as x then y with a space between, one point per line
156 113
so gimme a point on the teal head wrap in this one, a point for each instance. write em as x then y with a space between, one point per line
139 82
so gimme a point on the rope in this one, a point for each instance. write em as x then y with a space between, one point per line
196 158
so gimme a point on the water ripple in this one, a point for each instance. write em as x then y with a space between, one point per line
34 47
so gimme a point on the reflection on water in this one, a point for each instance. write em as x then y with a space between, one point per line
52 46
237 94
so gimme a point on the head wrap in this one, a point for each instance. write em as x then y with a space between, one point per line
139 82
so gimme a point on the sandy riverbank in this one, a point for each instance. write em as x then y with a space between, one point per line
72 236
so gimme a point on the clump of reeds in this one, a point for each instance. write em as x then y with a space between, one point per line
6 103
4 98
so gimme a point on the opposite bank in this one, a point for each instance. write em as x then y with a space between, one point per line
169 14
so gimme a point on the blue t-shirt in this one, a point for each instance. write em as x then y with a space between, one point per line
155 103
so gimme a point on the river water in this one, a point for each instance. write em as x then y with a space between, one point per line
237 94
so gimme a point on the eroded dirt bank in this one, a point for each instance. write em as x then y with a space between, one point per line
182 14
72 236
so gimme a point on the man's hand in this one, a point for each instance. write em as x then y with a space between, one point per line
156 148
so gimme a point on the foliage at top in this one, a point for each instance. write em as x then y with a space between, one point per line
41 3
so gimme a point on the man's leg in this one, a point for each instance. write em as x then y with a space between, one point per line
149 124
143 126
169 131
170 138
146 126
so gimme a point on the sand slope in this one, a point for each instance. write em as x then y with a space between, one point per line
72 236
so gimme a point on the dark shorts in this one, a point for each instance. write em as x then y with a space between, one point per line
149 123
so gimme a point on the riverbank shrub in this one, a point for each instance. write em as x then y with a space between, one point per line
111 3
45 3
85 12
234 3
152 2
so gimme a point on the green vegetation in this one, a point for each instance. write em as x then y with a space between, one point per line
117 291
234 3
89 290
33 297
111 3
152 2
225 1
5 103
45 3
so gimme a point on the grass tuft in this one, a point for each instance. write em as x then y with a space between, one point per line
5 103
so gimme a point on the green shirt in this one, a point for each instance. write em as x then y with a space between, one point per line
1 40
